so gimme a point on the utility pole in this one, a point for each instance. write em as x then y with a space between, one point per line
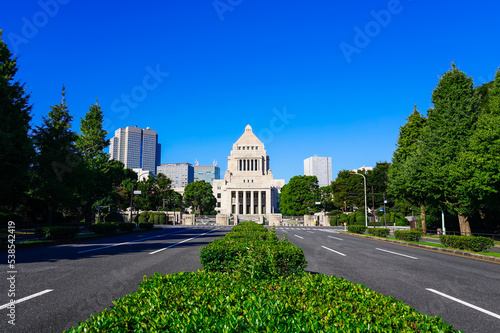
373 207
385 217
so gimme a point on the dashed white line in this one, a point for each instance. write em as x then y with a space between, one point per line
26 298
399 254
310 232
335 238
333 250
186 240
299 237
465 303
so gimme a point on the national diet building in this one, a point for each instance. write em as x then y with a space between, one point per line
248 187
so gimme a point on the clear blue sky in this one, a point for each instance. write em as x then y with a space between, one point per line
325 78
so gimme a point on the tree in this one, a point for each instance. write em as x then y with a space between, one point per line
299 196
348 191
406 175
16 146
200 197
449 126
55 161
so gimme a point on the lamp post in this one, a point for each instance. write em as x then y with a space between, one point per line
366 211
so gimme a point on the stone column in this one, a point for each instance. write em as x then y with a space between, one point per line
245 202
268 202
259 208
237 203
252 204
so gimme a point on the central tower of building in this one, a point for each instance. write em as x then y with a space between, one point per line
248 187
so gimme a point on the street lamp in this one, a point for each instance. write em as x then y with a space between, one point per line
366 211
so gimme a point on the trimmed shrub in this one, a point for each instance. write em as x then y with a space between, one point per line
143 217
357 229
217 302
147 226
162 219
103 228
113 217
382 232
57 232
408 235
360 218
126 226
469 243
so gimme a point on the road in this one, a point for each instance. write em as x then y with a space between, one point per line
83 279
422 279
72 281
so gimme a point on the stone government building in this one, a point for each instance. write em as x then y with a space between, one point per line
248 190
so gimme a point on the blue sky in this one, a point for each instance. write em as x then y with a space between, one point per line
325 78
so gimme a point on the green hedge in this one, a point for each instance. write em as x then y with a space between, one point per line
146 226
408 235
382 232
57 232
217 302
113 217
126 226
103 228
470 243
357 229
143 217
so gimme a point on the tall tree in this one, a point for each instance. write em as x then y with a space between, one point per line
406 175
348 191
300 195
448 128
16 146
200 197
55 160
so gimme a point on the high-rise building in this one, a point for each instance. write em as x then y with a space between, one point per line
321 167
180 174
206 172
137 148
248 187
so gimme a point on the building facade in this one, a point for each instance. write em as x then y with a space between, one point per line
137 148
180 174
206 173
248 186
321 167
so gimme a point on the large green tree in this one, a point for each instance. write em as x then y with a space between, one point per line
16 147
54 180
300 195
348 191
200 197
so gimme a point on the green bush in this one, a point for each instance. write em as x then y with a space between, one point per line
147 226
408 235
57 232
382 232
360 218
162 219
113 217
217 302
125 226
357 229
103 228
143 217
469 243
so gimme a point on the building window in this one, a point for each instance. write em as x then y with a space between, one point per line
218 195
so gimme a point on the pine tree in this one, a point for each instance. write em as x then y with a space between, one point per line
16 147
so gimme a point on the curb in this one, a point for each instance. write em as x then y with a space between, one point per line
457 253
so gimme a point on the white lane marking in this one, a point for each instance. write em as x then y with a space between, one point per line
310 232
465 303
26 298
333 250
299 237
137 240
186 240
399 254
335 238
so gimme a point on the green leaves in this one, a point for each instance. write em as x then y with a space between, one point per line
199 195
298 197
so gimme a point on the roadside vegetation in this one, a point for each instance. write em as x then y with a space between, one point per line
254 282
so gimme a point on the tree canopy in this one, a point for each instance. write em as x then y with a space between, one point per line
300 195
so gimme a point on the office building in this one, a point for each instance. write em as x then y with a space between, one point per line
206 173
321 167
180 174
137 148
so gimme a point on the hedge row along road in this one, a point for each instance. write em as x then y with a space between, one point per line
63 285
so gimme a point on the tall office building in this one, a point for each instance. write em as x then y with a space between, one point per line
320 167
207 173
180 174
137 148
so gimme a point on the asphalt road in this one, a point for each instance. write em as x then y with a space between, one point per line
72 281
422 279
83 279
